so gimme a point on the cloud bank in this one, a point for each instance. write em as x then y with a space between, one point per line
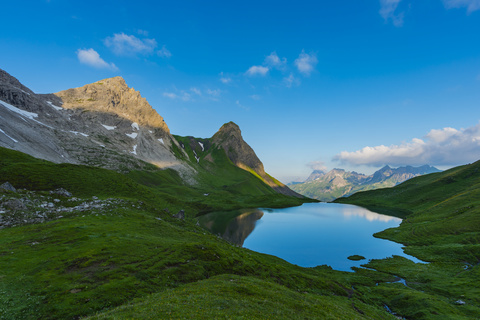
91 58
447 146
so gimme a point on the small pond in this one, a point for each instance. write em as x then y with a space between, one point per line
309 235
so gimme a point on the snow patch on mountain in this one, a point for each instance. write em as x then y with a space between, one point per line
80 133
54 106
134 149
8 136
132 135
109 127
161 140
201 145
135 126
29 115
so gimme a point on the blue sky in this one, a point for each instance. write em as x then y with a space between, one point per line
312 84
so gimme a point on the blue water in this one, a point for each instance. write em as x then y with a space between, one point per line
318 234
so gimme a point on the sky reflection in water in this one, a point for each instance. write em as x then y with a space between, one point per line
314 234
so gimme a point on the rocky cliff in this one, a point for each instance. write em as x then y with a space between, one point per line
229 138
113 96
110 125
103 124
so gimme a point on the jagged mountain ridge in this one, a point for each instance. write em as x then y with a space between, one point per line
110 125
339 183
82 126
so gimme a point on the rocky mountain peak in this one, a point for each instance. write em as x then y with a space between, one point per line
229 138
113 96
228 130
315 175
7 79
15 93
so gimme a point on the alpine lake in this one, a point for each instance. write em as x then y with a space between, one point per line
309 235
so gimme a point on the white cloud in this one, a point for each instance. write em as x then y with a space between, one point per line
92 58
387 11
196 91
255 97
472 5
317 165
305 62
170 95
215 92
274 60
241 106
164 52
185 96
257 70
447 146
291 81
129 45
225 79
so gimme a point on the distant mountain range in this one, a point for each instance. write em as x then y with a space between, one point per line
328 186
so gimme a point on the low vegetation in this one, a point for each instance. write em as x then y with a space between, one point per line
117 252
441 226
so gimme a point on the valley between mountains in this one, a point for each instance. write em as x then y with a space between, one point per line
99 208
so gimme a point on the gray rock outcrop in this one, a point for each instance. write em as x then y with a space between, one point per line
180 215
8 187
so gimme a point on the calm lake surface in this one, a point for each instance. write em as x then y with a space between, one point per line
309 235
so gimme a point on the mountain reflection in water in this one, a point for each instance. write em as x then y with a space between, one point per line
233 226
309 235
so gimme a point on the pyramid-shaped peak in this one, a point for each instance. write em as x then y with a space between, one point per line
113 95
118 80
230 126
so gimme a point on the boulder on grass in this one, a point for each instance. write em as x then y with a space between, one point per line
180 215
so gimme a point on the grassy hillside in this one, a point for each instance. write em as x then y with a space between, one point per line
114 251
442 227
125 249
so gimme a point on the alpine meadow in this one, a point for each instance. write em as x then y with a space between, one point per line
253 160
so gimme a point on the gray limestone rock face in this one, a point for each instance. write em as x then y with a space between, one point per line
104 124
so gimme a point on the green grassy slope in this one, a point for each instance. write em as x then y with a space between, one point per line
89 261
441 226
229 188
132 259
